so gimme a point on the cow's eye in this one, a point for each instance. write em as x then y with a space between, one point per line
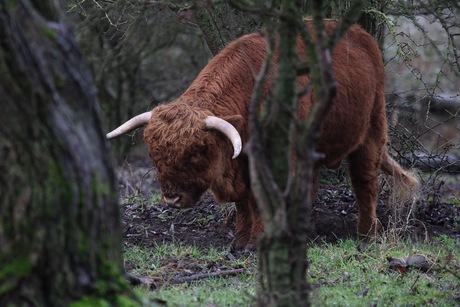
194 159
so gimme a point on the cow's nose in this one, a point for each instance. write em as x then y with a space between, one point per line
171 200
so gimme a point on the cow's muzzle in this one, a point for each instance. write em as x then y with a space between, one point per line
172 201
179 200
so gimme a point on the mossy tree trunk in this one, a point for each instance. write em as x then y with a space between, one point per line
283 190
60 230
282 248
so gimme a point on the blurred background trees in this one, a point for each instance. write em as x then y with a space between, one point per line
147 52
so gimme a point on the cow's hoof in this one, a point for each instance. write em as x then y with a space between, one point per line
241 252
238 247
250 248
247 248
251 245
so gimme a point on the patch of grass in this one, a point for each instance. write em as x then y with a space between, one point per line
141 200
454 201
348 273
155 198
230 291
167 263
342 275
135 198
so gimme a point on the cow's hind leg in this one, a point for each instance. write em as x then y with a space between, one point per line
364 170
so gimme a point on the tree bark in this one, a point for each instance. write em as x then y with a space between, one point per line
282 248
60 230
283 190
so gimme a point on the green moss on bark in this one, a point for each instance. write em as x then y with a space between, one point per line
12 272
58 206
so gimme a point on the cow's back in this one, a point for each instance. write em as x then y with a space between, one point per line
225 86
359 72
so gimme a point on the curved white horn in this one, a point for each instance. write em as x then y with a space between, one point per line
213 122
133 123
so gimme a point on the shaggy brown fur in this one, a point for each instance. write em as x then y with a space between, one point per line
191 159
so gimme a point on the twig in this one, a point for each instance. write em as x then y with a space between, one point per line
234 272
144 281
154 283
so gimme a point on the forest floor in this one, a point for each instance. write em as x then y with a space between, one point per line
174 243
148 223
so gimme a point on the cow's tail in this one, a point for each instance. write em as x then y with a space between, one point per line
405 184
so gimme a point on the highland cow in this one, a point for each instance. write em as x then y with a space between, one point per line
195 141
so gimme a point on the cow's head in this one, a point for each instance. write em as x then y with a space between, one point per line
189 148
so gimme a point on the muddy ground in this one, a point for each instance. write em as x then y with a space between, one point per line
147 222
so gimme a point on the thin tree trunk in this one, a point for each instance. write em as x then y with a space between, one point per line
282 248
283 196
60 232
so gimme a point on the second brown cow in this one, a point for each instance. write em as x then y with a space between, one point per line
195 141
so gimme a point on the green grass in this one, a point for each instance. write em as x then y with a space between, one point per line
166 262
234 291
342 274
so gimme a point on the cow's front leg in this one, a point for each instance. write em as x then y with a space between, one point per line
249 226
243 227
257 228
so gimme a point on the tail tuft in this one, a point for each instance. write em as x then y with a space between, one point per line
405 183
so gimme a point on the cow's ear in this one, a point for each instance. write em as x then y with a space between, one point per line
236 121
